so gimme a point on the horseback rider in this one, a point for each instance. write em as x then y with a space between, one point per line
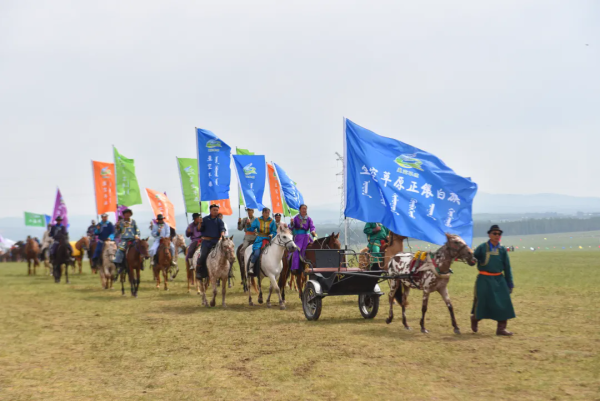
105 231
265 226
376 236
492 289
160 229
212 230
128 231
58 233
244 225
277 219
194 234
46 242
304 231
92 229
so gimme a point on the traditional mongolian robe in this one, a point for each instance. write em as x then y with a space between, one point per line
59 232
105 232
195 236
127 231
160 230
212 229
376 240
249 236
492 288
266 229
302 227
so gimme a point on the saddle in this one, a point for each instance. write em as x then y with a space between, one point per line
257 266
418 260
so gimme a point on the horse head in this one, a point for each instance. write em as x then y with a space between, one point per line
334 241
285 238
457 249
85 242
228 248
142 248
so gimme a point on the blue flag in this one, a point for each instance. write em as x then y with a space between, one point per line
406 189
48 219
214 166
252 176
292 195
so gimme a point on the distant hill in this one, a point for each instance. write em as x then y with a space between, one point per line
538 203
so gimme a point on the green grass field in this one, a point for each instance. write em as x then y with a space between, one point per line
77 341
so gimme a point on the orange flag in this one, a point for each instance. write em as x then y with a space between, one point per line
224 206
161 205
104 186
275 189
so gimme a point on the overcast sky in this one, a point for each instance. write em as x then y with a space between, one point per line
506 92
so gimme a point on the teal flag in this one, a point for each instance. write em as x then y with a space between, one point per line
35 220
188 174
246 152
128 190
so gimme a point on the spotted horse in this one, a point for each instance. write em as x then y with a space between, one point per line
429 275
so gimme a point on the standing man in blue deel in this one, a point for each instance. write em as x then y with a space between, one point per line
494 284
212 230
105 231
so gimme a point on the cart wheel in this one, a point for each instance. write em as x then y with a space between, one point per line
311 302
368 305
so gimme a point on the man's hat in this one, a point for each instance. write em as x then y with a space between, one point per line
194 215
59 218
127 211
248 209
277 214
495 228
214 205
160 217
104 215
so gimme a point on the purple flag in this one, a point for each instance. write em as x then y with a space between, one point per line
60 209
119 212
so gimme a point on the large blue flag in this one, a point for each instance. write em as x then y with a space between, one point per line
252 176
292 195
214 166
406 189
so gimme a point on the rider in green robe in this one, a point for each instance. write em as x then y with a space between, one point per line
494 284
376 235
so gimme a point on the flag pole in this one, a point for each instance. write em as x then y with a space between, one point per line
116 183
95 194
344 183
198 166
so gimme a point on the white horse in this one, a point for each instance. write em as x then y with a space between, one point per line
270 263
108 268
217 264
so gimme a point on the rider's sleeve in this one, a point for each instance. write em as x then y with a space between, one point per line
242 225
368 229
480 253
188 231
137 230
508 271
311 225
254 226
155 233
273 228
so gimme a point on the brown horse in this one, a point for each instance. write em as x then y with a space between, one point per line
94 265
163 263
394 245
61 257
32 249
330 242
137 251
240 258
179 243
82 246
107 269
432 275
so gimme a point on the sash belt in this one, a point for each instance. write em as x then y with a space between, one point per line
489 274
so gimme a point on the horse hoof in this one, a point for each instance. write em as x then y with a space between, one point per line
268 304
212 303
388 320
424 331
251 303
457 331
408 328
281 307
224 306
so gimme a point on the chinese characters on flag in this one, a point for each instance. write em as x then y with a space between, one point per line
162 205
104 186
276 203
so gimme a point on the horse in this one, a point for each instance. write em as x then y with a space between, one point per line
330 242
163 254
61 256
218 264
190 268
240 258
47 262
82 245
107 269
271 263
136 252
32 249
432 275
91 250
179 243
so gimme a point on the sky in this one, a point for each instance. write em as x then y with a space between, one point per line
506 92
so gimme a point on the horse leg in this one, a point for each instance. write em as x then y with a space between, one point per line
28 267
122 276
165 274
156 277
444 293
249 289
214 284
223 290
275 284
270 292
202 288
67 273
404 304
260 294
394 285
424 310
299 284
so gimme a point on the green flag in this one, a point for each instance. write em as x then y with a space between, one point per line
246 152
35 220
288 211
128 190
188 173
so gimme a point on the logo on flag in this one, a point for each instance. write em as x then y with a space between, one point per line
105 173
409 161
249 170
213 143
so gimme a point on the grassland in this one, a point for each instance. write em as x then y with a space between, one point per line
77 341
